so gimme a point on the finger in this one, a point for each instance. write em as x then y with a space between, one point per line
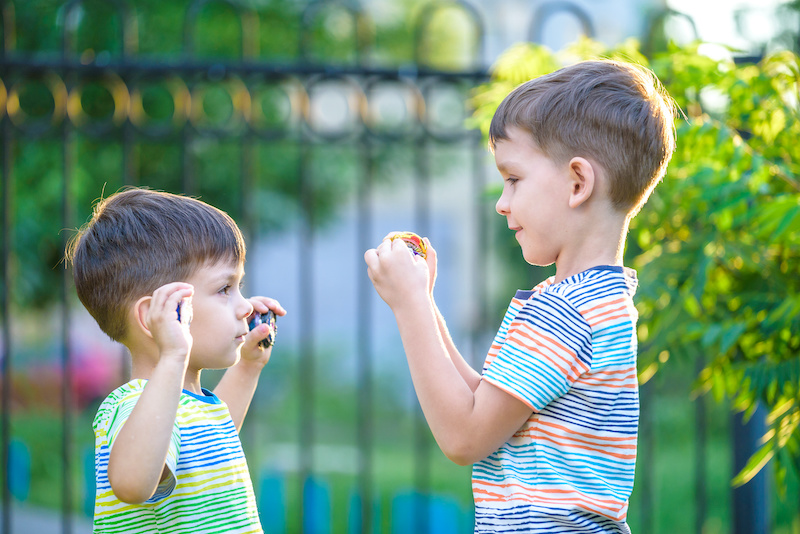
371 259
165 303
390 236
168 297
167 291
385 246
265 304
398 244
253 338
431 252
180 303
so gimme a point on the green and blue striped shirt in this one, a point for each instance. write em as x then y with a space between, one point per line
209 489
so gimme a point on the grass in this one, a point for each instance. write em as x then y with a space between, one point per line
399 451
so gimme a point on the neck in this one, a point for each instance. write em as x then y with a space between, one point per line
191 381
600 243
144 359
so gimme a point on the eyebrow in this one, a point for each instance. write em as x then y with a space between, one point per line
506 167
229 276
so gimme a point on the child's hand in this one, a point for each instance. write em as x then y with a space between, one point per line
397 274
171 335
251 350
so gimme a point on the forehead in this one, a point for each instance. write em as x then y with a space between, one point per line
514 151
216 271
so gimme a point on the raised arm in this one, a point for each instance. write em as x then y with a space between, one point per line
469 421
136 463
238 385
470 376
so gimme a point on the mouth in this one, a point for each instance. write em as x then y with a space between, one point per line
240 338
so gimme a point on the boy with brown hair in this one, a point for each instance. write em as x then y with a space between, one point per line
551 423
161 274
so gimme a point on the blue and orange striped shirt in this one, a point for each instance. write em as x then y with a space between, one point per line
568 351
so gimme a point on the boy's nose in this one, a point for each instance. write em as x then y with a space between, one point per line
502 205
245 308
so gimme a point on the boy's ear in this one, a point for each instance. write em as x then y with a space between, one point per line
581 181
140 310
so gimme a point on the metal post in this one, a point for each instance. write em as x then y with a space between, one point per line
5 297
751 501
480 281
700 432
66 357
6 10
364 350
422 463
305 371
647 457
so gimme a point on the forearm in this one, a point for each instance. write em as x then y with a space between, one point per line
139 452
470 376
468 417
446 398
237 387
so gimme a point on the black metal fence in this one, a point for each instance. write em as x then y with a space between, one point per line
301 152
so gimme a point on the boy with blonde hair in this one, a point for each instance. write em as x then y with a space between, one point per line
551 423
161 274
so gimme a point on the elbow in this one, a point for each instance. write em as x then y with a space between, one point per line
129 493
460 459
463 453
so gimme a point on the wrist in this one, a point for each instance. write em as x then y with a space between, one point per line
415 307
176 358
253 366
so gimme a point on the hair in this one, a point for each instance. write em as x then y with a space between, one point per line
138 240
614 113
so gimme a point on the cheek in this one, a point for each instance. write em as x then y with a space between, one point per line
200 323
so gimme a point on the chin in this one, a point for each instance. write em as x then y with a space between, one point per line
532 259
228 362
538 262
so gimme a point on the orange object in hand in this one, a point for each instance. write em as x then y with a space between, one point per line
414 242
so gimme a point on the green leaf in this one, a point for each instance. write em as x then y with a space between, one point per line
730 336
756 462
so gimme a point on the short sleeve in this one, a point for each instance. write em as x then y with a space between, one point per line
117 419
166 487
548 346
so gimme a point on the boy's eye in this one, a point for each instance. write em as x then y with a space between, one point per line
225 290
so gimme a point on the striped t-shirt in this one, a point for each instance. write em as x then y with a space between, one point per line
210 489
567 350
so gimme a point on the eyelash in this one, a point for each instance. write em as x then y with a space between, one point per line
225 290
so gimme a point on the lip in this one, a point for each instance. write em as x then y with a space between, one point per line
240 338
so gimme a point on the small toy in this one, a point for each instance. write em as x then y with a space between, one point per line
185 312
268 319
414 242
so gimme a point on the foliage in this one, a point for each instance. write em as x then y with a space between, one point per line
717 246
217 159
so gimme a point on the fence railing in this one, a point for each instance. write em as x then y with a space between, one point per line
297 147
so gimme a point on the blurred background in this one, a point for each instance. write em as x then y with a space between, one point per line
320 127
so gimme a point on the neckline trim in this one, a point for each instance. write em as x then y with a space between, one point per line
208 396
